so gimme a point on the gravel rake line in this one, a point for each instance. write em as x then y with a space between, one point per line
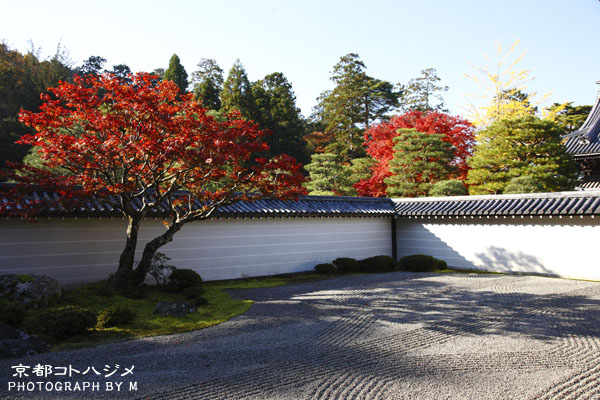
384 349
346 329
591 290
369 386
584 349
576 386
510 292
265 377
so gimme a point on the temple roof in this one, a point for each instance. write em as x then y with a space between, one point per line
507 205
585 142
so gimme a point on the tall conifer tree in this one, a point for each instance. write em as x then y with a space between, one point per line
207 83
276 110
424 93
237 92
176 73
353 105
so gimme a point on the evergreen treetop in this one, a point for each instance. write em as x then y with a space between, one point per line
176 73
521 146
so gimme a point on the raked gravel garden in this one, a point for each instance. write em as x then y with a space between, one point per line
398 335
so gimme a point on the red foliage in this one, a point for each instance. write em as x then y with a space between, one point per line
378 140
144 140
318 141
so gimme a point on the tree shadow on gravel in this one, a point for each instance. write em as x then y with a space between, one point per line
363 331
438 302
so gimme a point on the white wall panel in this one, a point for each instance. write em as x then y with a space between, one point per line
84 250
558 246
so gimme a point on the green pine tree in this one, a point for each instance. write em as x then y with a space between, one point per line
176 73
207 83
424 93
521 146
275 110
353 105
568 117
449 187
237 92
361 169
328 177
420 160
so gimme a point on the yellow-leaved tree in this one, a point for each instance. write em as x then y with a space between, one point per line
505 93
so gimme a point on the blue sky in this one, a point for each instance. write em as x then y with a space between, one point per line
304 39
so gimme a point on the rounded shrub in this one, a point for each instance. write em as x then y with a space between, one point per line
523 184
346 265
114 316
63 323
451 187
138 293
421 263
192 292
183 278
200 301
377 264
104 290
325 269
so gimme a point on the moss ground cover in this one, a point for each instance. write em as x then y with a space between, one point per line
96 297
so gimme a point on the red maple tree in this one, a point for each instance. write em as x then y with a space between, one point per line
139 144
379 143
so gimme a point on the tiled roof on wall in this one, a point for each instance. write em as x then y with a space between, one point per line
305 206
531 204
312 206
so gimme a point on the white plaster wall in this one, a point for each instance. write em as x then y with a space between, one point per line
559 246
87 250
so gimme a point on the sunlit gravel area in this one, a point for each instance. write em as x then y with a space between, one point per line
382 336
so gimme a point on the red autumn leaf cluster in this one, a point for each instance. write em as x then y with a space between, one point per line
109 137
379 143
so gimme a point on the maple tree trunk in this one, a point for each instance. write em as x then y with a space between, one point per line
150 250
126 260
127 278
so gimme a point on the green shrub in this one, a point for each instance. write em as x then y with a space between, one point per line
523 184
138 293
183 278
448 188
377 264
114 316
104 290
200 301
11 313
193 292
346 265
25 278
421 263
63 323
325 269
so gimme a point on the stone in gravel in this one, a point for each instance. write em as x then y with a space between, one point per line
15 343
174 308
33 290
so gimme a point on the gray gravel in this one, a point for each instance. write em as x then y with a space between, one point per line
383 336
